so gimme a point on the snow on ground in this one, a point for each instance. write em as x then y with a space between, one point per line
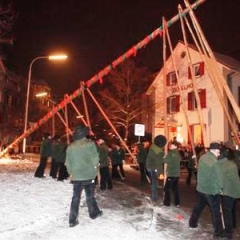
34 209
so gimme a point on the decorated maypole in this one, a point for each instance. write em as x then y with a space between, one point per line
99 76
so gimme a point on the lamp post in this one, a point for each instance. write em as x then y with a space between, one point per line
52 57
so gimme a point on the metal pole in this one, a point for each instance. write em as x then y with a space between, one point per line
27 99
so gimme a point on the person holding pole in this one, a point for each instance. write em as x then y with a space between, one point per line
209 188
231 188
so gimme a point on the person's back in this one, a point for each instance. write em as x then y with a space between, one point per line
209 180
103 155
155 158
173 160
82 159
45 150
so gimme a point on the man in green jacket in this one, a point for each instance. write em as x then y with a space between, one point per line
209 187
45 153
82 160
231 188
154 163
172 161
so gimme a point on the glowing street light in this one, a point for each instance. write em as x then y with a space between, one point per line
51 57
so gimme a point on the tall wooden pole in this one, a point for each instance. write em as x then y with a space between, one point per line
180 91
109 122
213 76
219 77
195 89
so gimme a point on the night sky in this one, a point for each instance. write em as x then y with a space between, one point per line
94 33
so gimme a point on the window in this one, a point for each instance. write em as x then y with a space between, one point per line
171 78
198 70
173 104
192 103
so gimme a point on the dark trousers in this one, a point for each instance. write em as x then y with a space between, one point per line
171 185
53 169
115 173
106 180
154 184
89 188
60 171
143 173
189 177
214 202
41 167
228 204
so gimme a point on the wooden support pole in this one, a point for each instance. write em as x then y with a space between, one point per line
219 77
85 105
180 92
109 122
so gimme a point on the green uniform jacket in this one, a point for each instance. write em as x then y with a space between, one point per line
45 148
59 151
209 175
155 158
103 155
117 156
82 159
142 154
231 182
173 159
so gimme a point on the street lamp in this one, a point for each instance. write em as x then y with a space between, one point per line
52 57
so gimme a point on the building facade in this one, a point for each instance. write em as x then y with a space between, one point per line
175 102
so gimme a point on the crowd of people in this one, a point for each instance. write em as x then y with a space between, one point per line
88 162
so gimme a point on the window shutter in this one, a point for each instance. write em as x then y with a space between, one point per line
190 101
189 73
202 96
168 79
177 103
168 105
201 68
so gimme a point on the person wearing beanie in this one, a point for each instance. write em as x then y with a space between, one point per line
82 160
172 162
154 164
231 188
209 188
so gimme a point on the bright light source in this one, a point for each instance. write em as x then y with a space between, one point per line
80 116
41 94
57 57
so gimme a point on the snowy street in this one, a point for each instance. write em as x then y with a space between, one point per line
33 208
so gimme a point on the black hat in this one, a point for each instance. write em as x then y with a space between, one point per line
215 145
56 137
160 140
80 132
46 135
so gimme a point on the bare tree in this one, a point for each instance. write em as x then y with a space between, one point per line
121 95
